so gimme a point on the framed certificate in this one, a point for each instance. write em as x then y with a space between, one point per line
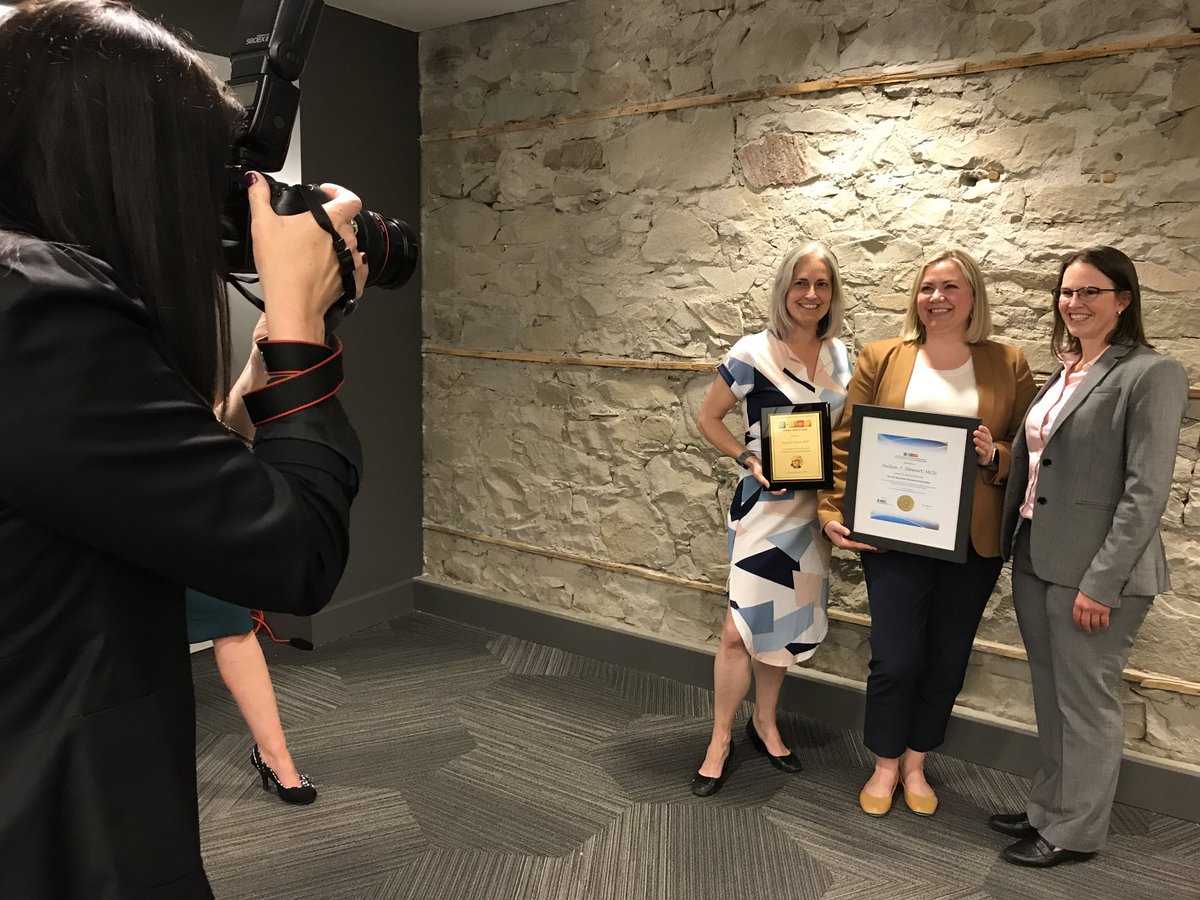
910 481
797 446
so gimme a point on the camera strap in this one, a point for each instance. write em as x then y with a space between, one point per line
344 255
302 375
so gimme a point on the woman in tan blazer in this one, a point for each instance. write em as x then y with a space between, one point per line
924 612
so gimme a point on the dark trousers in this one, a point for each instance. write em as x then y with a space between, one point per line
924 614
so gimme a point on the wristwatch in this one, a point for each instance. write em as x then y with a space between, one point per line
995 463
743 456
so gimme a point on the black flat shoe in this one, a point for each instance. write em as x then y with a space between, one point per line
303 795
1013 824
1040 853
788 763
706 786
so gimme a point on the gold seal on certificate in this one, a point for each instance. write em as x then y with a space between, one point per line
797 450
910 481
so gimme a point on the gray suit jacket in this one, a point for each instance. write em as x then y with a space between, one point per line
1105 476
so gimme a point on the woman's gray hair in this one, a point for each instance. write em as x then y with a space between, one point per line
979 327
779 322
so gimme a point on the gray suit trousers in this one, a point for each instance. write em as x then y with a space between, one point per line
1076 679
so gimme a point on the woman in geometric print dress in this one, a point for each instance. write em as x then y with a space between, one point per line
779 559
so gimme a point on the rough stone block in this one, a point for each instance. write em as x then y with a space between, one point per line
463 223
953 153
537 225
776 159
687 79
677 236
674 154
1173 724
729 283
1185 136
580 154
600 234
1123 77
905 35
1186 93
787 42
816 120
624 83
1170 281
1024 148
517 106
1008 34
1036 95
1125 154
1076 203
545 58
1185 226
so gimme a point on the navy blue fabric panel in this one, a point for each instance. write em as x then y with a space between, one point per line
763 396
771 565
744 498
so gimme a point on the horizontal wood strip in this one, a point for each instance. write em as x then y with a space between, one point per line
1150 680
700 365
840 82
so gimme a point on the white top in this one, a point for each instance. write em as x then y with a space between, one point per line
951 392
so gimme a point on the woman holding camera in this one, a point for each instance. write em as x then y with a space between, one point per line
117 485
924 611
1092 471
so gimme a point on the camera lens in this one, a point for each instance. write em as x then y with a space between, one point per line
390 246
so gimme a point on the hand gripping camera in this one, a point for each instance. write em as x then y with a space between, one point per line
274 38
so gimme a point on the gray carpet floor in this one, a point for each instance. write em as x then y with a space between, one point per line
460 764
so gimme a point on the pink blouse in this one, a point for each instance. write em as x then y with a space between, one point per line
1041 418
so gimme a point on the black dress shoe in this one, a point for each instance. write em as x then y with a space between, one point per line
304 794
1013 824
788 763
705 785
1036 851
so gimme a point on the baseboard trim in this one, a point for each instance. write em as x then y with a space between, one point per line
1146 782
345 618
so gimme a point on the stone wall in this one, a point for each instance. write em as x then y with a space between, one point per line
656 237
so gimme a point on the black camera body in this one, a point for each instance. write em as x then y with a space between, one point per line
273 41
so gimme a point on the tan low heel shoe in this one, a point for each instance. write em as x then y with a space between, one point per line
922 806
875 806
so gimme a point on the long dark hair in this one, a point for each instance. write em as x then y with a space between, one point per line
114 137
1119 269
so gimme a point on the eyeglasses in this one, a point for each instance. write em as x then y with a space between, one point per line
1085 293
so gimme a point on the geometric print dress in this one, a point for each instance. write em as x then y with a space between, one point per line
778 558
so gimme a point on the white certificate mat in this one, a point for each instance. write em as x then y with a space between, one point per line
910 481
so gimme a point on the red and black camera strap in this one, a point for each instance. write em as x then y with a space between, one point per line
300 375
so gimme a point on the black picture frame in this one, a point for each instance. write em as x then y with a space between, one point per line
879 530
770 422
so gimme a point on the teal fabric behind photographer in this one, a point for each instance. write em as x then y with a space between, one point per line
209 618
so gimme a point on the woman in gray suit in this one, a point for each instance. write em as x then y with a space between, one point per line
1091 471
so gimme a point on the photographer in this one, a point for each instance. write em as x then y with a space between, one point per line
117 485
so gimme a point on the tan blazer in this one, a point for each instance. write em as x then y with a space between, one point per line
1006 389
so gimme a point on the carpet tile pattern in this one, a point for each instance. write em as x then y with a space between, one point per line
460 764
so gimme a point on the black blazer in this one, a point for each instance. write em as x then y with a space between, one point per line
117 488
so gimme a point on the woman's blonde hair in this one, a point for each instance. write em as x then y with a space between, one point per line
979 326
779 322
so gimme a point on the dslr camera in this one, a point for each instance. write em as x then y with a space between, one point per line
274 38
